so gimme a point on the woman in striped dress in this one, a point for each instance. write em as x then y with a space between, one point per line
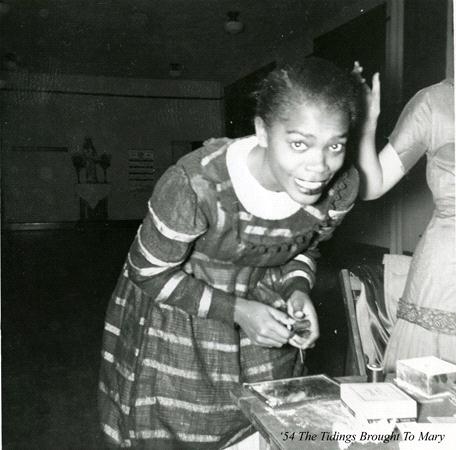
223 262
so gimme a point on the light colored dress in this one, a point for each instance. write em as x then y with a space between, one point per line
427 311
171 350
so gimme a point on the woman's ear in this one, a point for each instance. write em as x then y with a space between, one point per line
261 132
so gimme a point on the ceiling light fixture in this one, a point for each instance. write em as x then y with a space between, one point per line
233 25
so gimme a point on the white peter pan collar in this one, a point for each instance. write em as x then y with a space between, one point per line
256 199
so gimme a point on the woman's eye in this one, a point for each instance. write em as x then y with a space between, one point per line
336 148
298 145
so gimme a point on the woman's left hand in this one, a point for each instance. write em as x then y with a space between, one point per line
300 308
371 95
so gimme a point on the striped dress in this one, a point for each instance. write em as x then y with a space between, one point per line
171 350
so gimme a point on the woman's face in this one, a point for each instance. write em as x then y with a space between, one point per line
303 151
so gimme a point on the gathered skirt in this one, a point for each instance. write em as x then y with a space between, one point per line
428 326
166 376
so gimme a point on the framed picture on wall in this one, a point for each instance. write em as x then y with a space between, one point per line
141 169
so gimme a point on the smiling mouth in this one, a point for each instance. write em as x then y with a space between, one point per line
310 187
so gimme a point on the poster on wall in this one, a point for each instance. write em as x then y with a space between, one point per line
141 169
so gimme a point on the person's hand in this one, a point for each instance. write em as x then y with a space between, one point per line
263 324
371 95
300 308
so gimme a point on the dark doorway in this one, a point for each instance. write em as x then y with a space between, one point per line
362 39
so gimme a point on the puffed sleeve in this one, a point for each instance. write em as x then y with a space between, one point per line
173 222
412 134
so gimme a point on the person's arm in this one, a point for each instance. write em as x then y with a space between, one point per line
379 172
173 222
407 143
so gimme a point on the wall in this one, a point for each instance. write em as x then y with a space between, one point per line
118 114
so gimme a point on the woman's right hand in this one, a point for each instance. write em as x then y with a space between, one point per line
263 324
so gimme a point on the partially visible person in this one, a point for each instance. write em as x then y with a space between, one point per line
426 313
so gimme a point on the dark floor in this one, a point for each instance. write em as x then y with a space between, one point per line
55 288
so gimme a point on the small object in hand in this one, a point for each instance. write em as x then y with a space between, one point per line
301 326
279 304
298 314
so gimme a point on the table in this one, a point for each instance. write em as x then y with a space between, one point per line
314 423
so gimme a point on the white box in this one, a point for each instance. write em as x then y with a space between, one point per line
374 402
427 375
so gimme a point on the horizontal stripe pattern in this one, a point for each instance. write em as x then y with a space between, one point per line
186 437
259 369
306 260
189 374
201 257
146 271
273 232
187 342
300 274
188 406
313 211
269 367
150 257
170 233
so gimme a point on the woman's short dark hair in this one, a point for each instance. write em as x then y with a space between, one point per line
313 80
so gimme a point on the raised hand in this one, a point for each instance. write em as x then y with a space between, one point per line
371 95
